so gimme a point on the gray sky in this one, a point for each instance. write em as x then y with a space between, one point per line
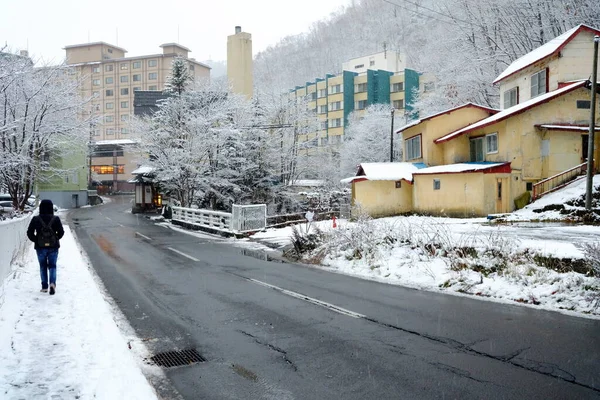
44 27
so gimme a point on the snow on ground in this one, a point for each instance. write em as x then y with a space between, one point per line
72 345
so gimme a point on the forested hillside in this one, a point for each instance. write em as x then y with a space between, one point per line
465 43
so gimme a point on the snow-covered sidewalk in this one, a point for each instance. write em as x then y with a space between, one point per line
72 345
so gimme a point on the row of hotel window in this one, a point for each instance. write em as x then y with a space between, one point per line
108 169
109 80
124 91
479 147
358 88
358 105
134 65
110 131
110 106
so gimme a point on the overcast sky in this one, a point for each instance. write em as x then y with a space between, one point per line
44 27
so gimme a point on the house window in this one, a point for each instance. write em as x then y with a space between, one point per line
511 97
477 154
336 123
360 87
152 63
136 64
335 89
491 143
108 119
108 80
124 66
322 109
398 104
584 104
539 83
108 68
96 82
109 92
96 70
124 79
335 106
413 148
152 76
125 117
398 87
124 104
437 184
192 67
529 186
361 105
322 93
110 106
137 77
124 91
398 184
152 87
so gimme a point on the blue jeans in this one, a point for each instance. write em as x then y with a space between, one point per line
47 259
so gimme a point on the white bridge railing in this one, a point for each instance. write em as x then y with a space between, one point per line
243 219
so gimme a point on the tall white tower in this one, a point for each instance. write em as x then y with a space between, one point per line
239 62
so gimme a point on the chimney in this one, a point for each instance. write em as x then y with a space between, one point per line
238 29
24 53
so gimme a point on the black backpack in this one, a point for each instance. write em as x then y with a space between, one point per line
46 237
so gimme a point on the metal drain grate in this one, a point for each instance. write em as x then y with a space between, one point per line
177 358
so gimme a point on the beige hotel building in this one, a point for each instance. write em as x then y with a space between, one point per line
110 80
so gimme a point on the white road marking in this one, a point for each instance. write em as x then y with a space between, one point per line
144 236
182 254
300 296
108 218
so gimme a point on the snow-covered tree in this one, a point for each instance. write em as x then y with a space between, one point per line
40 123
367 138
180 77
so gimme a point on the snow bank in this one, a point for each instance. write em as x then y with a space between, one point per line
13 241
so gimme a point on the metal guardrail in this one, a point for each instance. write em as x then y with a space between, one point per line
204 218
557 181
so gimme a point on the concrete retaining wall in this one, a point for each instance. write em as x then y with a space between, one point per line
13 243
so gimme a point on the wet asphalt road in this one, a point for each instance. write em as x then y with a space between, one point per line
272 330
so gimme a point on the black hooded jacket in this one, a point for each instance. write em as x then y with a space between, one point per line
46 214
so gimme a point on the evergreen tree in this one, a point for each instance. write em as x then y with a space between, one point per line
180 77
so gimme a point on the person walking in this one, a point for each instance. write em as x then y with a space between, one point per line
45 231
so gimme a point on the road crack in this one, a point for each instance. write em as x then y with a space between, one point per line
274 348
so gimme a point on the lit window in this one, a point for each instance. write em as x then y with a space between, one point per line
152 63
124 79
491 142
108 80
136 64
511 97
413 148
124 91
152 76
124 104
538 83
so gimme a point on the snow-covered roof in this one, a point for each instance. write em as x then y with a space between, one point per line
459 168
552 47
417 122
307 182
559 127
385 171
144 169
115 141
514 110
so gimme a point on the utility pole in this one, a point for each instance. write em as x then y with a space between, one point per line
590 165
392 138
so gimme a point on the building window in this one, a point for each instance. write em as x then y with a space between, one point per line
371 63
398 104
136 88
312 96
584 104
324 125
110 131
413 148
96 132
96 69
491 143
428 87
153 87
335 106
335 139
95 94
360 87
124 104
477 154
124 66
136 64
108 169
539 83
358 66
110 106
398 184
152 63
322 93
108 119
437 184
110 92
96 107
137 78
96 82
125 117
398 87
529 186
336 123
110 51
124 79
108 68
124 91
108 80
124 131
335 89
152 76
511 97
192 67
361 105
322 109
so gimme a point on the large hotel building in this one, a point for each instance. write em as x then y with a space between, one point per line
110 80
